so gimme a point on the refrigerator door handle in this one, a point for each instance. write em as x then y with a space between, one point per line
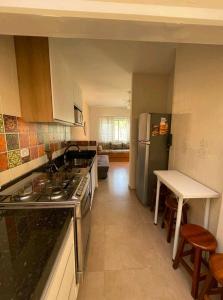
144 142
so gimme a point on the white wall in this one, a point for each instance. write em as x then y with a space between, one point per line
78 133
97 112
150 93
198 122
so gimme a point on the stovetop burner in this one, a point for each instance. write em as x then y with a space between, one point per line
57 194
42 188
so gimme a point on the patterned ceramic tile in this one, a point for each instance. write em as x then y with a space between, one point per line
24 140
32 127
12 140
1 123
14 158
43 127
33 139
3 161
46 138
10 123
2 143
67 133
54 146
51 128
19 134
33 152
22 125
25 159
41 150
40 137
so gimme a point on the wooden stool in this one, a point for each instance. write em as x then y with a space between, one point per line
169 216
214 277
201 240
164 192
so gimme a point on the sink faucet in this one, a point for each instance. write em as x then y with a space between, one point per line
51 167
66 150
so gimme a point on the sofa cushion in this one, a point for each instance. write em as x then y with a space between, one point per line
106 145
100 148
125 145
115 146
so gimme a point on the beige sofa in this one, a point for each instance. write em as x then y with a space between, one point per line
117 152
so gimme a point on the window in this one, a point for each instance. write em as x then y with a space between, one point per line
114 129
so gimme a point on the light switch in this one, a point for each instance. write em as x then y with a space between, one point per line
24 152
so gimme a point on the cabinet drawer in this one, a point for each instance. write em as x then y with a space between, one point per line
68 279
54 282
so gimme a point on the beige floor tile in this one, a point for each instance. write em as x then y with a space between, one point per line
141 284
96 252
129 258
128 247
93 287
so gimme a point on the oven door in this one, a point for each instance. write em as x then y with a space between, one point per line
83 230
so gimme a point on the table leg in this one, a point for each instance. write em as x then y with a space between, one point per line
206 213
177 229
157 201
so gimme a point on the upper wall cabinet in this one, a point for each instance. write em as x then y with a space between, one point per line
47 91
9 91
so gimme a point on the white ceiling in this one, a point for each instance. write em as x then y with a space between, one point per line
186 3
103 69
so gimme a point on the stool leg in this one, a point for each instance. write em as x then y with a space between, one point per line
179 253
192 255
170 226
164 217
184 217
207 286
196 273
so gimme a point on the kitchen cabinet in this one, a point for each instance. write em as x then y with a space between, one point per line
9 91
64 87
62 282
46 88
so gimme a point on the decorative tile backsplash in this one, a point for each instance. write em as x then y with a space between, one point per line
17 136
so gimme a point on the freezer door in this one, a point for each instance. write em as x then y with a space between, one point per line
142 172
144 127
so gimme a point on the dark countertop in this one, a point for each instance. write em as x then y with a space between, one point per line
29 243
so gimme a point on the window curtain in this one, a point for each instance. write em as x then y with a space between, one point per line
114 129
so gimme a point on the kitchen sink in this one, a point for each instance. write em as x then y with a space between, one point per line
80 162
74 160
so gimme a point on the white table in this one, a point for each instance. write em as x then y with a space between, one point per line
184 188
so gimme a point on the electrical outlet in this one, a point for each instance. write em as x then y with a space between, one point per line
24 152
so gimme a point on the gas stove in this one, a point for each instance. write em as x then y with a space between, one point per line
60 189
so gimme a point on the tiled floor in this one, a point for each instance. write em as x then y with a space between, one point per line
129 258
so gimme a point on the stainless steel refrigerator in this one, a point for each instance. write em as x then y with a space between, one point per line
153 145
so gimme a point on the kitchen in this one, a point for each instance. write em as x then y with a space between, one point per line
195 150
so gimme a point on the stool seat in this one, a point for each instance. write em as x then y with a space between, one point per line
200 240
199 237
216 266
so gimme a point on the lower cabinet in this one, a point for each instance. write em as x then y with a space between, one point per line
62 282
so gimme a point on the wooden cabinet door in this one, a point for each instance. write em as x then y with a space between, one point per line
33 68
